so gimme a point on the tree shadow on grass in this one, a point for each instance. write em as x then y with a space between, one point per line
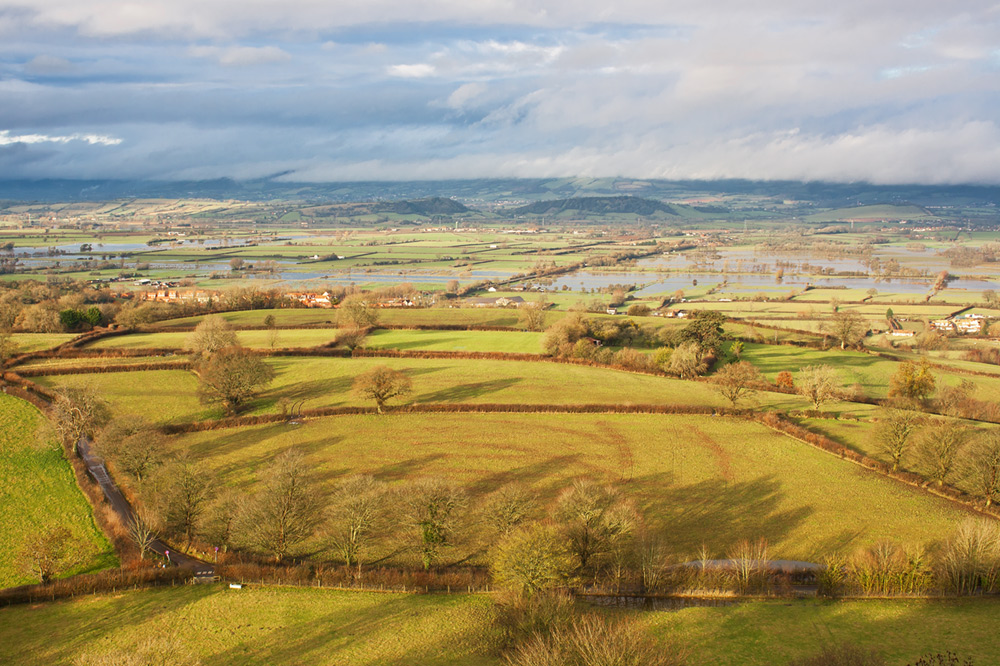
467 391
718 514
419 344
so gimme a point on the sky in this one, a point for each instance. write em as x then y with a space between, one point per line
883 91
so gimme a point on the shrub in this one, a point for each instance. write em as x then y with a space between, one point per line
531 559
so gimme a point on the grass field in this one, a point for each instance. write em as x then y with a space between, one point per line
28 342
285 626
508 341
171 395
38 492
871 372
699 480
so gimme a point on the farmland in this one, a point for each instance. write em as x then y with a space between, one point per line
209 624
547 355
38 493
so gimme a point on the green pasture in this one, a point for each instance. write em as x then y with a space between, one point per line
38 492
171 395
29 342
453 316
697 480
774 632
434 340
871 372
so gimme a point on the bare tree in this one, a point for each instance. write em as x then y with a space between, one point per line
356 515
939 450
736 381
818 384
180 491
847 327
982 465
48 553
435 509
78 413
142 531
382 384
232 376
287 508
593 519
507 508
532 315
133 445
211 334
357 311
350 337
892 433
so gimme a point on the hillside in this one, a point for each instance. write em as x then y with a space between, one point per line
598 206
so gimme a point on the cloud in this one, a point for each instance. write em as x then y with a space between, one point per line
241 56
417 71
46 65
6 139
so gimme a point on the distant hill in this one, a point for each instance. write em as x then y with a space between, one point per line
427 207
597 206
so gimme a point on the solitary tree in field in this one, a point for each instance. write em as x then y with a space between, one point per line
893 431
435 509
785 380
382 384
232 376
912 382
356 516
736 349
357 312
737 381
286 509
818 384
982 465
847 327
532 315
939 450
211 335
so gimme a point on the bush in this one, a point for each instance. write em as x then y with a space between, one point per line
532 559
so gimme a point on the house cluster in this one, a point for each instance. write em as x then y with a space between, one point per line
967 323
311 299
490 302
173 295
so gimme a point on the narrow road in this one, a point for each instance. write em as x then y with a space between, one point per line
96 468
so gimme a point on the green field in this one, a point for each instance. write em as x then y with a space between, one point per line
171 395
699 480
38 492
285 626
28 342
474 341
395 316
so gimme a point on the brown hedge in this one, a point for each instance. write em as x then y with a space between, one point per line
100 369
105 581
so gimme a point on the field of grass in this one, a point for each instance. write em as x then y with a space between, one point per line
477 341
871 372
698 480
284 626
219 626
394 316
38 492
28 342
171 395
766 633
